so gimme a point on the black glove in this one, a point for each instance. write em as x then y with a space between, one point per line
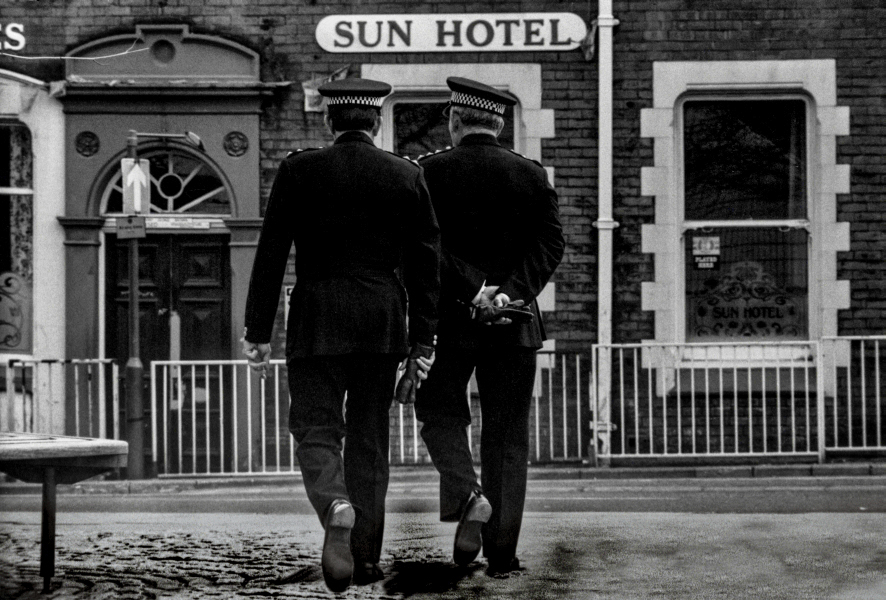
515 311
405 392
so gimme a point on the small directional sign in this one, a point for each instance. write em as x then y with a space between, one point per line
136 185
131 228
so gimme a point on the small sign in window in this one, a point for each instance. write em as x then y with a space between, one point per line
706 252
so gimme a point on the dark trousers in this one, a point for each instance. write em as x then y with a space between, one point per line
319 418
505 379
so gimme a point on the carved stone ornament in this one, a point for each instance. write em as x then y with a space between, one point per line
236 144
86 143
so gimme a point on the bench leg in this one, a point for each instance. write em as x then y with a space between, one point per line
47 530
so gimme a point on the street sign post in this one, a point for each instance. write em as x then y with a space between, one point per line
136 185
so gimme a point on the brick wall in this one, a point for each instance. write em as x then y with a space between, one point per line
672 30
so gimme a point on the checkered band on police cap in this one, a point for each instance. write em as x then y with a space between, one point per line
354 91
358 100
471 101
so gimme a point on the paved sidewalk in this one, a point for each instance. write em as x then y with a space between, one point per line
426 473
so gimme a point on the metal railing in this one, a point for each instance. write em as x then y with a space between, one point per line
558 429
219 418
79 397
853 375
800 399
808 398
714 400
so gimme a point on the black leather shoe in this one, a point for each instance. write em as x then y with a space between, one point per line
337 562
367 572
468 540
502 569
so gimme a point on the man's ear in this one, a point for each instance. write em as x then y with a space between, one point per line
377 126
328 123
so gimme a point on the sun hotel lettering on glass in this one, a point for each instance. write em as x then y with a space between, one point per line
508 32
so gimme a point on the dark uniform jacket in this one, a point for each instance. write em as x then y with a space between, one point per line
500 225
365 234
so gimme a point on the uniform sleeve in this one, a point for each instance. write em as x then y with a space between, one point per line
543 252
270 260
422 267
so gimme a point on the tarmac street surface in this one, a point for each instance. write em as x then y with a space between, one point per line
787 538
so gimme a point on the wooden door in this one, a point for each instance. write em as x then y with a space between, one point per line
184 289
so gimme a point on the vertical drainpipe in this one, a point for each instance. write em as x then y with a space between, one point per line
605 226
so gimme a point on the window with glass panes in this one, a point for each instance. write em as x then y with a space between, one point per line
16 238
745 219
420 127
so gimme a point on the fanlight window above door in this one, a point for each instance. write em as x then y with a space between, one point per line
181 183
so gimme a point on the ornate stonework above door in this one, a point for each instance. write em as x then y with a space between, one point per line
166 79
164 55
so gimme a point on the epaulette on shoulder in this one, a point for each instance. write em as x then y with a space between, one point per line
526 157
435 153
412 160
300 150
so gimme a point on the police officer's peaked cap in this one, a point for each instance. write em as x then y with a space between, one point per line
473 94
355 91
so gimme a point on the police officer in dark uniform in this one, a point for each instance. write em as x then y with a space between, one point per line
502 240
365 235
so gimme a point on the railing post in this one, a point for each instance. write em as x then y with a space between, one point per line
820 400
115 399
152 466
102 398
10 395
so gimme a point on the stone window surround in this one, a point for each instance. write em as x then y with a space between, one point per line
672 81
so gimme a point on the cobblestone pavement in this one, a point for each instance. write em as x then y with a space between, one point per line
565 555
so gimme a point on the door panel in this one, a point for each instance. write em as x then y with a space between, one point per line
153 285
202 300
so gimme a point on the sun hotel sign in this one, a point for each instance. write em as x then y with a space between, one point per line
506 32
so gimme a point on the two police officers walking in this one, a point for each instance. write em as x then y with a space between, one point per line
368 252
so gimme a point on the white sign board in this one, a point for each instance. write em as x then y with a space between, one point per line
136 186
474 32
177 223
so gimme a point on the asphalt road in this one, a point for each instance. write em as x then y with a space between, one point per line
790 495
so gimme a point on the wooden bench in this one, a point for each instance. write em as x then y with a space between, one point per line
50 460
